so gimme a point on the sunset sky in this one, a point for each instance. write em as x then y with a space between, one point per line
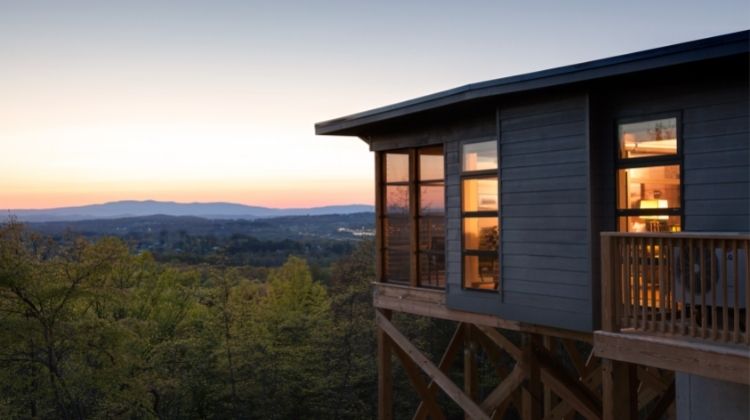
216 100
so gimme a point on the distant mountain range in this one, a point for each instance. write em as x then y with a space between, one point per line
120 209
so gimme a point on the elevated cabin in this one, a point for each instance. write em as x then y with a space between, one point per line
611 196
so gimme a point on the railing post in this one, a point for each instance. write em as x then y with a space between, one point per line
610 283
385 372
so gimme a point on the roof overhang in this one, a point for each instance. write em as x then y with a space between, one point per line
694 51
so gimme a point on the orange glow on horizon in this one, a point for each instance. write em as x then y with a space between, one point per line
280 195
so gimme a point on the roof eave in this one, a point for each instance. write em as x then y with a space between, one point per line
704 49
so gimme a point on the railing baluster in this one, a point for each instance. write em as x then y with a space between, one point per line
724 288
712 283
636 282
621 284
662 287
651 289
691 272
625 252
736 306
702 277
672 290
644 281
746 244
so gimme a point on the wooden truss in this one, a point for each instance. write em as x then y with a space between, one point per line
550 377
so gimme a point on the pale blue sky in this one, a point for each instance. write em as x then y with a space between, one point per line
216 100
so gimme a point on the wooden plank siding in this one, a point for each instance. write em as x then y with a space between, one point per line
714 108
545 266
545 213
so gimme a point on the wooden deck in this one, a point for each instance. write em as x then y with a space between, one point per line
431 303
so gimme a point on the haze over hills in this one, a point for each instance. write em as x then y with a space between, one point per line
132 208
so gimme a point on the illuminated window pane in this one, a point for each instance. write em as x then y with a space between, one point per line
431 163
652 187
480 194
432 198
480 156
481 233
397 167
648 138
432 234
654 223
397 265
397 232
432 269
397 199
481 271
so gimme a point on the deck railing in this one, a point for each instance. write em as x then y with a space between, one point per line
684 284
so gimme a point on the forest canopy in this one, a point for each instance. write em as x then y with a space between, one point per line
90 328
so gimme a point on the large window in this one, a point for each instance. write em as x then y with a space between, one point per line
479 216
648 176
412 219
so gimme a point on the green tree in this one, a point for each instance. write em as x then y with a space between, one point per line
289 335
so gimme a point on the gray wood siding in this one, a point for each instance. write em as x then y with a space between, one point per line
716 165
544 184
545 261
715 114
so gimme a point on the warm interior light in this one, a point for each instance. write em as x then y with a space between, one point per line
654 204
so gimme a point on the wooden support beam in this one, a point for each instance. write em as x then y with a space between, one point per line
385 371
496 357
649 376
563 409
445 363
550 400
501 341
728 363
662 406
431 303
504 391
471 377
580 397
532 396
441 379
419 384
618 390
575 357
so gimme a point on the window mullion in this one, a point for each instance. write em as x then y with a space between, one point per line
413 217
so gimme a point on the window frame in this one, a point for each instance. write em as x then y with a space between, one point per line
413 216
676 159
479 174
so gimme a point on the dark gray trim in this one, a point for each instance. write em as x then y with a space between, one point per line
700 50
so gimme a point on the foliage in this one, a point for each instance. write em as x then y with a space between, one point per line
93 330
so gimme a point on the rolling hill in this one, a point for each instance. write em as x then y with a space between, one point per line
132 208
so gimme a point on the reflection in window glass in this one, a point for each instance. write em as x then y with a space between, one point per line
432 198
653 223
651 187
397 167
413 203
481 233
480 156
397 232
431 163
432 234
480 194
648 138
396 199
432 269
481 272
397 265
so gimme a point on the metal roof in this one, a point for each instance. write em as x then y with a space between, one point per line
703 49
